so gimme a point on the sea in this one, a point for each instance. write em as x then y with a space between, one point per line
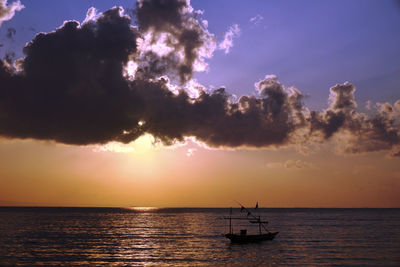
49 236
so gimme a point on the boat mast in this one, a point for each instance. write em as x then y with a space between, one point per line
260 223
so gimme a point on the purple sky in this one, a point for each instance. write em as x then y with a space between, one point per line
311 45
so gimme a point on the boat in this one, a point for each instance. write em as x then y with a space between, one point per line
242 237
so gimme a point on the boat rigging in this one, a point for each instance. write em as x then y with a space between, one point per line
243 237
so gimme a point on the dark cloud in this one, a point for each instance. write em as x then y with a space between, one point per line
72 87
10 33
185 35
342 102
379 132
342 97
214 119
9 57
8 11
357 132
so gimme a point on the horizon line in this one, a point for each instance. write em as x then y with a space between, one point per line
184 207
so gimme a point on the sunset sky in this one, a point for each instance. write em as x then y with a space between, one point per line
118 103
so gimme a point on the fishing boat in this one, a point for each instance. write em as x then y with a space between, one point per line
242 236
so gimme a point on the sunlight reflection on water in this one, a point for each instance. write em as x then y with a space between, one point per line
143 209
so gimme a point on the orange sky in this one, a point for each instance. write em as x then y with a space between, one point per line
44 174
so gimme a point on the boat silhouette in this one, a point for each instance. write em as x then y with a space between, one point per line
243 237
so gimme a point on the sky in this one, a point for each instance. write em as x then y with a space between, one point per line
200 104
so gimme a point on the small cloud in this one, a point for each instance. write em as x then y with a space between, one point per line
256 20
274 165
290 164
227 43
299 164
10 32
7 12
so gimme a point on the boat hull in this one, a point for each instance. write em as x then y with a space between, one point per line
250 238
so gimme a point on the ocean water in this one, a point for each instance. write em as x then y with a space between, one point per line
193 237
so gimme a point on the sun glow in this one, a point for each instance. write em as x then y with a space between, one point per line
114 147
143 144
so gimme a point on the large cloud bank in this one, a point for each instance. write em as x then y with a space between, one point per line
108 80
